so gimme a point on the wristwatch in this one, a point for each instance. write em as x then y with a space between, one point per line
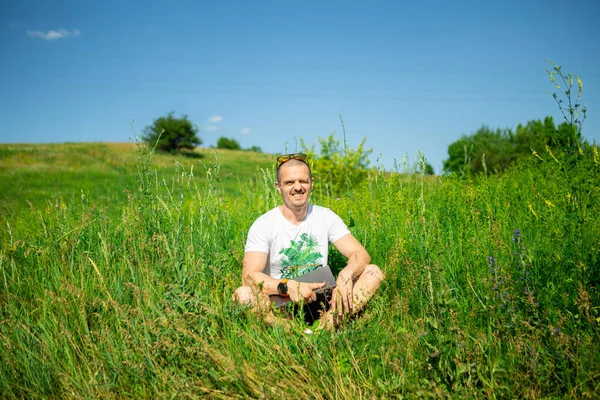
282 288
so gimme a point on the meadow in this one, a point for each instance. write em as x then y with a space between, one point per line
118 265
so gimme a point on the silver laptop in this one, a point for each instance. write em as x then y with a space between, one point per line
322 274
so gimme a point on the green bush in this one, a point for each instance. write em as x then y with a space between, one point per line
255 149
336 168
228 143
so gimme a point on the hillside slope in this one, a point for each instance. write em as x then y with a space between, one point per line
33 174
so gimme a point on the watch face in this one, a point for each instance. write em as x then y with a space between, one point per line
282 288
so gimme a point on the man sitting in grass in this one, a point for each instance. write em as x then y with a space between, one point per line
294 237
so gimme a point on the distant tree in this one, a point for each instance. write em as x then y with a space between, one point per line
255 149
484 146
497 150
172 134
227 143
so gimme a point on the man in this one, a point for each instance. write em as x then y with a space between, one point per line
294 237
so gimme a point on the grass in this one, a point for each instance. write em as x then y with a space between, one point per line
34 174
491 283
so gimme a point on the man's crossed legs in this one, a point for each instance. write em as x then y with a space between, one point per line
364 288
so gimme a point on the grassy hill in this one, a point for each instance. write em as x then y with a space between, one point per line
34 174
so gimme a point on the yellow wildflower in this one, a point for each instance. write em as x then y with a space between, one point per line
532 211
551 154
580 84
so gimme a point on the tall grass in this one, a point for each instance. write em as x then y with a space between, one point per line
491 290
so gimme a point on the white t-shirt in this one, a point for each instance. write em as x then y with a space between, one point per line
294 250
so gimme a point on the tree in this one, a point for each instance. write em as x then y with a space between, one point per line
227 143
469 153
172 134
499 149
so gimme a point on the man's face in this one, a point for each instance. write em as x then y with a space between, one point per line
295 185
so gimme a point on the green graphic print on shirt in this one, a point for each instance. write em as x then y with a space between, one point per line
301 257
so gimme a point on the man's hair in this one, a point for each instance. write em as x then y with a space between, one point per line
291 163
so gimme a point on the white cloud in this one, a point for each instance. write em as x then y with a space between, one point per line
52 34
245 131
211 128
215 119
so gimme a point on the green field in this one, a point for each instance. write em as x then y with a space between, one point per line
117 270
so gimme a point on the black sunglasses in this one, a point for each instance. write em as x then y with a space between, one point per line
292 156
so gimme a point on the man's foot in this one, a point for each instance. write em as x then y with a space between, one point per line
326 322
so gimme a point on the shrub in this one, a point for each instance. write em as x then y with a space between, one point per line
228 143
338 167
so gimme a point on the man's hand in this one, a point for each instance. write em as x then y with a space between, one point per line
303 291
341 298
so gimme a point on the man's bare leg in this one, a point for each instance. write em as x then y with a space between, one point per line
364 288
260 305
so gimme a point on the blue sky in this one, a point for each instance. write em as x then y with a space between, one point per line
406 75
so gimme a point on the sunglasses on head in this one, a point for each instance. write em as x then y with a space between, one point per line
292 156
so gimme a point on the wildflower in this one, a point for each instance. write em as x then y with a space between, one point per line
552 155
532 211
535 153
517 235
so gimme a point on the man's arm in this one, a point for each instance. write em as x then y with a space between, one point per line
357 256
252 275
252 272
358 259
